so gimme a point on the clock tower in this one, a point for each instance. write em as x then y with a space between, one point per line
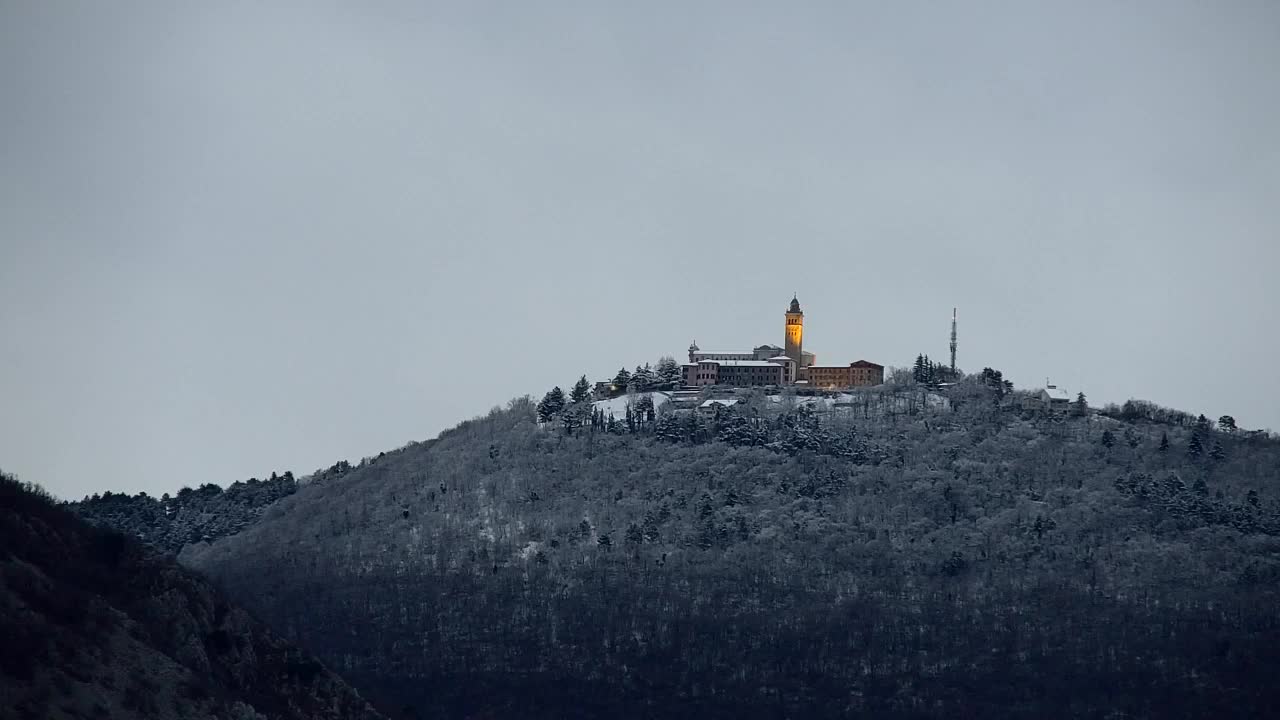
795 333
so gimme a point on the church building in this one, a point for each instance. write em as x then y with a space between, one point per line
790 364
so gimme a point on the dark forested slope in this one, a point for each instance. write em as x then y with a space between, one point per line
93 626
768 562
205 514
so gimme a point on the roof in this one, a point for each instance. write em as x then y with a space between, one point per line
866 363
746 353
725 403
1056 393
795 305
778 357
744 363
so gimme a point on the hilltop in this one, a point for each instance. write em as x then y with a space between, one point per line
94 626
893 557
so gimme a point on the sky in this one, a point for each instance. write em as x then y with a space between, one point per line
238 238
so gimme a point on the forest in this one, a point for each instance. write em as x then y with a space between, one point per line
94 625
897 557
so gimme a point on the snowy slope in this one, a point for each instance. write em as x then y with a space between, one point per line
617 407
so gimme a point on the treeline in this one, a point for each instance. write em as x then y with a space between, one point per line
203 514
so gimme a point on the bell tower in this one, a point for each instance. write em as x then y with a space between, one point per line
795 333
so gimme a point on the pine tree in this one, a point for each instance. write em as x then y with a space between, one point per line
634 535
917 371
668 429
1108 440
1194 448
1164 442
643 408
1227 423
551 405
581 391
668 372
1202 424
1216 451
643 378
621 380
1082 404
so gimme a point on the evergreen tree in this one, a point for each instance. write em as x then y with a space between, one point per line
551 405
1194 448
581 391
621 380
668 429
1227 423
1202 424
643 379
1082 404
1216 451
918 371
635 535
1164 442
573 417
668 372
643 408
1108 440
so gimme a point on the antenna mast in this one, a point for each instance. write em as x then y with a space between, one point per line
953 341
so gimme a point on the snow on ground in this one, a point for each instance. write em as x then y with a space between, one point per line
618 406
900 403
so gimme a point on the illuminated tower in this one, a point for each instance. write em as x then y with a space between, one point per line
795 334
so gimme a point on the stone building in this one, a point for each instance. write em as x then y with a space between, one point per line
737 373
856 374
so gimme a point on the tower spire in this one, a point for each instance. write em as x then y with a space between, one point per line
953 341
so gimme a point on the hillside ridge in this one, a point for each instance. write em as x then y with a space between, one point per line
765 560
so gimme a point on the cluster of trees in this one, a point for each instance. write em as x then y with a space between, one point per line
169 523
665 376
95 625
573 410
893 559
927 372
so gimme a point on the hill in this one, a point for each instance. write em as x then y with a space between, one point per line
891 558
94 626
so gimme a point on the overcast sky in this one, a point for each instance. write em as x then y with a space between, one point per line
237 238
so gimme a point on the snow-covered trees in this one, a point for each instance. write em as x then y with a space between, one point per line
643 379
581 391
668 372
551 404
621 380
1195 448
